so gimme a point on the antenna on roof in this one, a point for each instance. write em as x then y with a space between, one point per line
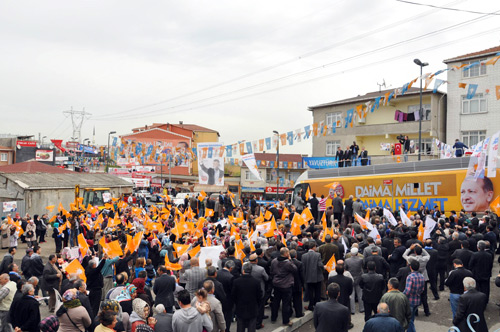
380 85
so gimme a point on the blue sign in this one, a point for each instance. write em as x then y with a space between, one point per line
320 162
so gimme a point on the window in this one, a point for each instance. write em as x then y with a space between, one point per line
331 147
426 145
426 110
475 70
474 105
4 157
473 137
334 118
250 177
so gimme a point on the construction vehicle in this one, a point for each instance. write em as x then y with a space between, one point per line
93 196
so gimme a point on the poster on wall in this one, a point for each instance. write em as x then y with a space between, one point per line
211 163
44 155
10 206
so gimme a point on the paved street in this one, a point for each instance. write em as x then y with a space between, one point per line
439 320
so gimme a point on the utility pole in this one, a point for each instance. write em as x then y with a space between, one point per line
77 118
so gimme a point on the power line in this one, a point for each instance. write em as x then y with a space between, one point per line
313 79
313 69
286 62
447 8
77 118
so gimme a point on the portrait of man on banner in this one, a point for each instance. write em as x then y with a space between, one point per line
211 165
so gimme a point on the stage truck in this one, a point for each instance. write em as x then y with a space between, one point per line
430 183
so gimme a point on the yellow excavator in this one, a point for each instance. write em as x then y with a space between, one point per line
93 196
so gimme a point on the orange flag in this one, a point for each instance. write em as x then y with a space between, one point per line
268 215
497 89
172 266
60 207
285 213
307 215
202 196
209 213
421 231
462 85
76 268
181 248
330 266
50 207
323 220
495 205
295 229
308 194
112 249
82 243
194 251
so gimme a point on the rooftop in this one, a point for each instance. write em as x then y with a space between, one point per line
192 127
479 54
33 167
65 181
371 96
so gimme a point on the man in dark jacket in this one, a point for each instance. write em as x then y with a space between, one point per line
455 283
36 266
481 264
164 288
344 282
382 321
331 316
313 274
298 284
27 314
348 211
381 265
225 277
25 264
282 270
471 302
338 208
442 261
7 260
314 202
51 280
339 156
230 252
246 294
431 268
95 283
373 286
464 254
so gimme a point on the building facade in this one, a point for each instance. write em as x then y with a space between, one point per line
472 120
383 125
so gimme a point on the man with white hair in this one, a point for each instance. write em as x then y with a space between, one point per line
471 302
7 293
382 321
163 319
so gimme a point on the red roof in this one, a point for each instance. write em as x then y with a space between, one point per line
5 148
283 157
32 167
489 51
194 127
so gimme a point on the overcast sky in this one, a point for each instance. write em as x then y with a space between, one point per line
243 68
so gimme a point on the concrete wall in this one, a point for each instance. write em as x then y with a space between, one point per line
380 126
458 122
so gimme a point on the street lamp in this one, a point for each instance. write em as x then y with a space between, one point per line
421 65
277 164
107 151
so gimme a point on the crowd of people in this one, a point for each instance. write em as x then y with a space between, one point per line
161 285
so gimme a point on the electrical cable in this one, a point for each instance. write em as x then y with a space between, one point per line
298 58
447 8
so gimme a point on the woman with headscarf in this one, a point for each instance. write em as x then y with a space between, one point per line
113 307
30 233
141 322
127 295
140 283
186 264
5 231
73 317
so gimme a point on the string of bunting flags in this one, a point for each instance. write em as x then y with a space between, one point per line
162 152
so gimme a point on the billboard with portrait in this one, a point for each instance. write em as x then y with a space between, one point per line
211 163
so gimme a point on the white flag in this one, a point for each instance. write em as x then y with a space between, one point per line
481 164
390 217
493 156
404 217
249 160
429 226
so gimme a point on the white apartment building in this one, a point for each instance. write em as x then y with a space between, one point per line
472 120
